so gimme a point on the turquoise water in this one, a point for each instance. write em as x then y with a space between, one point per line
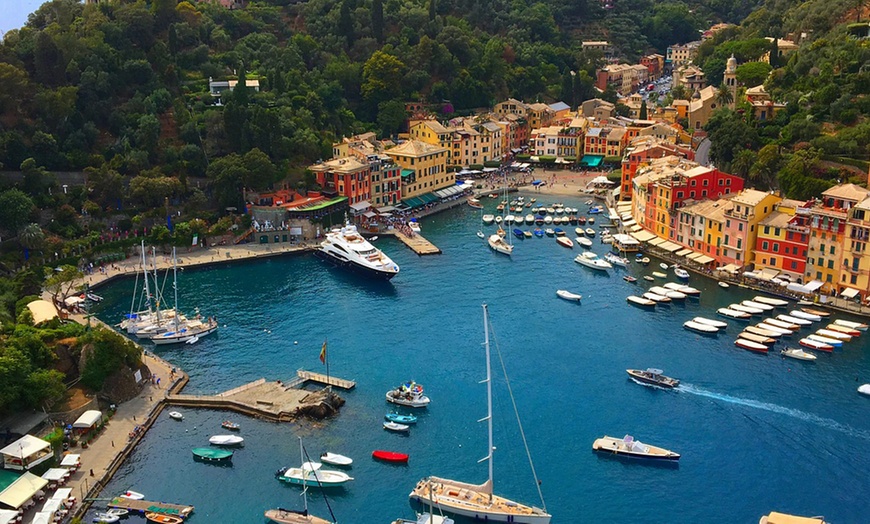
756 433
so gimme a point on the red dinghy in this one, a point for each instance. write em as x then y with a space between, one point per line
389 456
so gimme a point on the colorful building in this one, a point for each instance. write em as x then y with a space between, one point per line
828 235
423 168
386 181
855 276
701 225
749 208
783 241
642 151
347 177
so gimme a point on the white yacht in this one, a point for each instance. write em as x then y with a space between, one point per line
590 259
499 245
345 247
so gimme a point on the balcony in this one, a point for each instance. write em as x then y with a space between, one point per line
798 229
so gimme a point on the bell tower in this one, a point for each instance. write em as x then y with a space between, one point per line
731 79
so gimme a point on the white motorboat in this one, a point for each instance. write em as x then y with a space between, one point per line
780 324
648 278
819 312
488 219
548 220
498 219
750 345
479 501
118 512
710 322
757 305
106 517
498 244
226 440
629 447
681 273
746 309
480 234
176 415
345 247
640 301
591 260
659 274
565 242
335 459
567 295
530 219
580 231
830 333
409 394
414 225
616 260
825 340
590 232
775 302
853 325
132 495
671 294
794 320
726 312
724 285
756 338
658 299
760 331
804 315
664 266
426 518
798 354
606 239
395 426
700 328
815 344
584 242
843 329
310 474
774 329
682 288
864 389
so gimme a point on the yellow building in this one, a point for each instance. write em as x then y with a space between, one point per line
424 167
855 277
741 224
828 235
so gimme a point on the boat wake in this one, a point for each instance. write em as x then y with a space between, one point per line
774 408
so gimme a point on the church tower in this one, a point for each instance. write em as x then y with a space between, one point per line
731 79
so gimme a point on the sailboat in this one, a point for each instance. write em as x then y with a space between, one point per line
289 516
478 501
497 242
427 517
184 330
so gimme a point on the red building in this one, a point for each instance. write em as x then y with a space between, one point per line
344 177
783 239
642 153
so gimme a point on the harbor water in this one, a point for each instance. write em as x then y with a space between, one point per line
756 432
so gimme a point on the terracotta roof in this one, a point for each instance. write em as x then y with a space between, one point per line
847 192
415 148
750 197
776 219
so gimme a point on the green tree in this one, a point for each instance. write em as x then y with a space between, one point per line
60 283
378 20
753 74
433 6
16 209
16 88
724 96
767 164
382 77
345 22
31 237
44 387
105 186
391 116
240 92
743 161
260 171
643 111
109 353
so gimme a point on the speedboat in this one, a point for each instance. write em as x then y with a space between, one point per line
591 260
232 426
175 415
653 377
335 459
389 456
226 440
583 241
408 394
527 233
864 389
804 315
750 345
640 301
815 344
398 428
345 247
775 302
567 295
311 475
700 328
852 325
548 220
132 495
724 285
681 273
629 447
550 232
519 233
797 353
559 231
480 234
538 232
530 219
401 419
757 305
118 512
817 312
739 315
106 517
794 320
757 338
616 260
497 244
475 203
565 242
715 323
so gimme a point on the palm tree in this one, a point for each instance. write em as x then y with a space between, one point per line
30 237
724 95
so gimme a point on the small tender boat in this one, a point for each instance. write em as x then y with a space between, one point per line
781 324
401 419
530 219
389 456
750 345
830 333
565 242
864 389
226 440
232 426
658 299
775 517
549 232
710 322
579 231
567 295
584 242
815 344
664 266
700 328
746 309
681 273
538 232
559 231
817 312
797 353
106 517
616 260
659 274
475 203
132 495
724 285
118 512
162 518
311 475
756 338
519 233
175 415
682 288
775 302
673 295
480 234
652 377
335 459
590 232
398 428
93 297
527 234
629 447
794 320
843 329
408 394
639 301
757 305
630 279
648 278
726 312
804 315
825 340
766 325
644 261
853 325
755 330
488 219
212 454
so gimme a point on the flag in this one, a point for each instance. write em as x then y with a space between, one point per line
195 240
323 353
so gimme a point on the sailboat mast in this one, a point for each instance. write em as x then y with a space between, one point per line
175 285
488 393
304 484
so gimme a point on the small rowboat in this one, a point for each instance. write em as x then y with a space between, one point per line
831 333
583 241
638 301
401 419
781 324
232 426
750 345
398 428
756 338
106 517
804 315
766 326
700 328
814 344
565 242
118 512
825 340
843 329
648 278
664 266
757 305
853 325
794 320
628 278
724 285
761 332
132 495
212 454
659 274
715 323
726 312
775 302
656 298
817 312
226 440
335 459
746 309
176 415
797 353
567 295
163 519
389 456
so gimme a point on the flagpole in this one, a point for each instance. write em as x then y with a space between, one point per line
327 359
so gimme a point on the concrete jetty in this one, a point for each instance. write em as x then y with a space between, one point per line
418 244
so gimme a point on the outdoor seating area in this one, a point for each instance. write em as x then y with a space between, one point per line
42 499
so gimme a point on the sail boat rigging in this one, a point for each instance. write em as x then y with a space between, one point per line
289 516
478 501
497 241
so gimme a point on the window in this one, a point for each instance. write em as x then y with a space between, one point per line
832 250
775 247
766 230
793 264
854 279
764 245
772 261
830 264
740 226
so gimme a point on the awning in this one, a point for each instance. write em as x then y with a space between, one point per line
683 252
767 274
43 517
88 419
70 460
643 236
22 490
360 206
849 292
490 169
694 256
7 516
42 311
62 494
385 210
25 447
635 228
412 202
370 214
625 240
428 198
730 268
629 223
55 474
73 300
704 259
657 241
534 159
670 246
814 285
51 505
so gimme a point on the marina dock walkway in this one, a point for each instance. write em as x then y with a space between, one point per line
310 376
145 506
418 244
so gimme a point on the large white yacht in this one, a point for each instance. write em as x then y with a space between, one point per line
345 247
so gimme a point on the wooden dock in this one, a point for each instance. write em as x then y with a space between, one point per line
310 376
145 506
418 244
